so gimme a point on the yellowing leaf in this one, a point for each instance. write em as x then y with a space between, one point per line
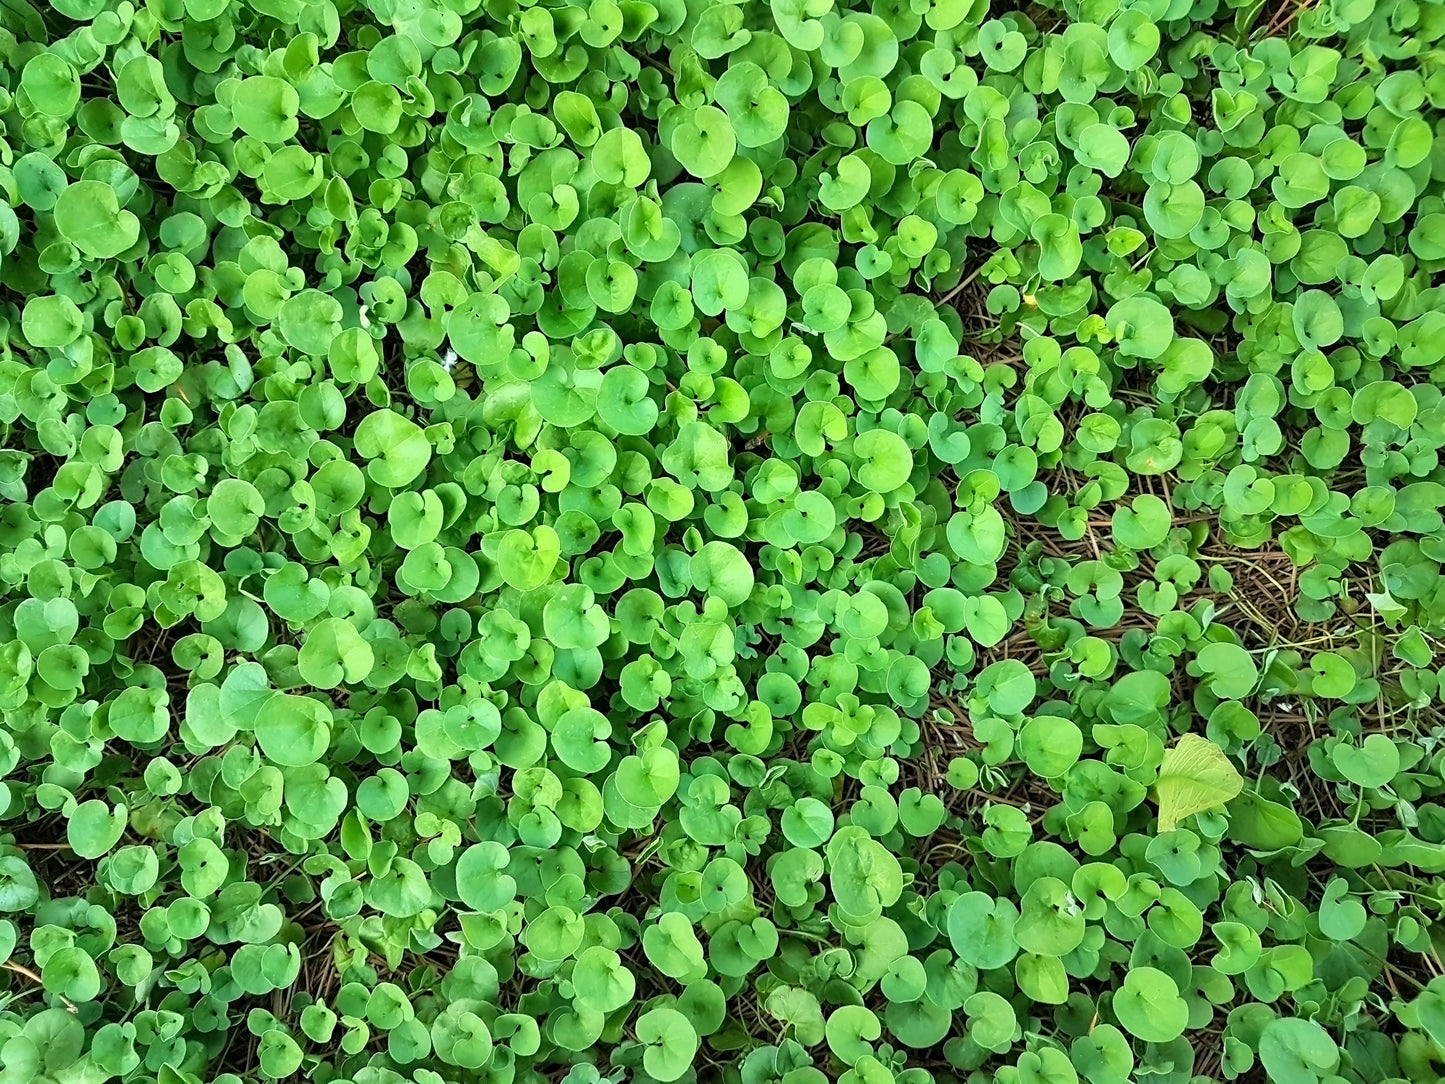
1195 776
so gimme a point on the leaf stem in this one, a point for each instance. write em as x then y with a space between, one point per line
10 965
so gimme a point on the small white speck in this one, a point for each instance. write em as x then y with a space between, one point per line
449 360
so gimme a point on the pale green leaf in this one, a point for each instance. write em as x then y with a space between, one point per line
1194 776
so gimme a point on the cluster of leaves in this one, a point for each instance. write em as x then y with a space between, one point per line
603 540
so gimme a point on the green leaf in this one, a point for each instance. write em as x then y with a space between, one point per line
1149 1007
89 216
669 1043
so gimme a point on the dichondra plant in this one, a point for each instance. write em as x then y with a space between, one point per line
760 543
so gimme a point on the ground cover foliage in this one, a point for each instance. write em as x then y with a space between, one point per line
653 541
